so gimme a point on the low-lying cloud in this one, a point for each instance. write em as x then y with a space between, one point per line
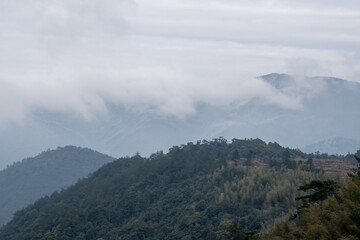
85 93
165 57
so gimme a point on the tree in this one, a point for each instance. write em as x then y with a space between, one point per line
286 156
356 170
249 157
287 161
238 233
320 190
235 155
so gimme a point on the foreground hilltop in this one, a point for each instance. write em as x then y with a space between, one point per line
194 191
24 182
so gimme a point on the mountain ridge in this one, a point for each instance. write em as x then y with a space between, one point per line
195 190
24 182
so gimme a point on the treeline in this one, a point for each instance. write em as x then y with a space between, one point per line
349 158
195 191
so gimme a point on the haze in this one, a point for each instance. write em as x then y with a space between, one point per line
80 60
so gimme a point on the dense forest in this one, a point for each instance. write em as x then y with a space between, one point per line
195 191
333 215
24 182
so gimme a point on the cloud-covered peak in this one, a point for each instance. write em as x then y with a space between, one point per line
166 57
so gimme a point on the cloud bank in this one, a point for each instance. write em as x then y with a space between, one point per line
165 57
86 92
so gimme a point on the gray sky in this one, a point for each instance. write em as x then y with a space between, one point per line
75 56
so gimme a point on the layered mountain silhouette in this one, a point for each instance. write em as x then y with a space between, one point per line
24 182
327 107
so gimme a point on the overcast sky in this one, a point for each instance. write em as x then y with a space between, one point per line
75 56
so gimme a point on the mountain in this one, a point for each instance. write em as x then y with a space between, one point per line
321 107
336 145
24 182
195 191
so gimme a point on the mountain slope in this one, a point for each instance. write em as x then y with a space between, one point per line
194 191
338 217
24 182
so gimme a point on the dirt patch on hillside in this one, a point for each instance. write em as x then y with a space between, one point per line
334 167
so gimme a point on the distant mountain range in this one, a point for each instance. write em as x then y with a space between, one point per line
336 145
327 107
24 182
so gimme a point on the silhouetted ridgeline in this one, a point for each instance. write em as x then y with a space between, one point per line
24 182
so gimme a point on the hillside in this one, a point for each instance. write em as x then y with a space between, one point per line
337 216
193 192
24 182
335 167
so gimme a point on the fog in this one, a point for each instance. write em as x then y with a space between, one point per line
166 58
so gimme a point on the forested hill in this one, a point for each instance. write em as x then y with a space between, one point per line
24 182
195 191
328 211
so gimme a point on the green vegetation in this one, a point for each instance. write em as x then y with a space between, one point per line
24 182
338 217
205 190
321 190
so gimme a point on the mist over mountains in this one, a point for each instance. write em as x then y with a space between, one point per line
336 145
116 74
309 109
168 88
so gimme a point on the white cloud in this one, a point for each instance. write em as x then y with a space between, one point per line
166 56
169 92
